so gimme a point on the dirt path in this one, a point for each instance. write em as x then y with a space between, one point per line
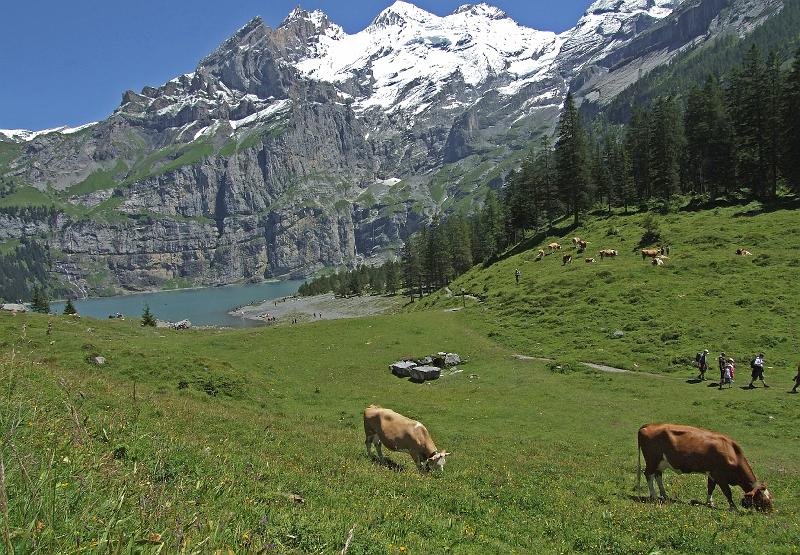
592 365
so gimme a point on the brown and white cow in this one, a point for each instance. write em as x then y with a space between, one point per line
743 252
652 253
398 433
607 253
554 247
687 449
566 259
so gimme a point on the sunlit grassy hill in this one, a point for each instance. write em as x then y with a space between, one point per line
705 296
251 440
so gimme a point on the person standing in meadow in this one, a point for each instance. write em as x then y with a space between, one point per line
517 275
702 364
796 380
758 370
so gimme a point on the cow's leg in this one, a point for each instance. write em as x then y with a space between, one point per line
661 486
378 449
650 487
711 485
726 489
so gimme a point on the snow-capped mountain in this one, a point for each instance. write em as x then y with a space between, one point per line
303 146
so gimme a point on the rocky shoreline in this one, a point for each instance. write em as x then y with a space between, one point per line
318 307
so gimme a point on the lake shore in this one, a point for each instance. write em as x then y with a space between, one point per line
318 307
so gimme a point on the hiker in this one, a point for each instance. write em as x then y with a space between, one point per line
517 275
702 364
796 380
727 374
758 370
721 361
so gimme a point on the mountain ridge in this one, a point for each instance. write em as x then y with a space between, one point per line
299 147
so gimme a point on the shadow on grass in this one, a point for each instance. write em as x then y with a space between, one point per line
694 380
534 240
783 203
387 463
646 500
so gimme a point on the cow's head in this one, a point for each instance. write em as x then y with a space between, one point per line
759 498
436 461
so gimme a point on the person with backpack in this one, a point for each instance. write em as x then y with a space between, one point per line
721 361
702 364
796 380
727 374
517 275
757 367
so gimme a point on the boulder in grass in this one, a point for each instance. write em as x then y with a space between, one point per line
425 360
452 359
182 325
422 373
99 361
402 368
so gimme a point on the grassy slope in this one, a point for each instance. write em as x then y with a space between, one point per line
705 297
541 461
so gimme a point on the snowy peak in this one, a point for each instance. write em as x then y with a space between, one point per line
24 135
399 14
481 10
313 22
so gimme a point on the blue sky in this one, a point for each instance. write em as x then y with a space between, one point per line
67 62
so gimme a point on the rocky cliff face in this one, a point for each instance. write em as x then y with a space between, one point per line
300 147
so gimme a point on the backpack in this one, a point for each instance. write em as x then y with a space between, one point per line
753 364
698 357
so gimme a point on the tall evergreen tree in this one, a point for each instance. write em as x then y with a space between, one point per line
637 142
666 147
790 126
40 301
69 308
772 122
571 158
148 320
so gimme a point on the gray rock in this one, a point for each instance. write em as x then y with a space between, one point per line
14 307
452 359
99 361
182 325
422 373
402 368
617 334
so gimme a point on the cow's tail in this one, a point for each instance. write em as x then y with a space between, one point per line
639 466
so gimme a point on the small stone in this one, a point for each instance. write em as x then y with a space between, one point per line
402 368
618 334
99 361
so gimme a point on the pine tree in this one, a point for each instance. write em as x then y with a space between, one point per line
460 249
666 147
40 301
638 147
411 267
392 277
492 226
147 317
772 122
571 160
69 308
790 126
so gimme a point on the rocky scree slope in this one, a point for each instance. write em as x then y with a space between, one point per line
300 147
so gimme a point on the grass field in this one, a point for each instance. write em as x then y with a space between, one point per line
251 440
704 297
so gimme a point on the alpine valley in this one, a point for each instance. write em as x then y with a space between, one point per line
292 149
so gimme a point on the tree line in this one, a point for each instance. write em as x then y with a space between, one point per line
732 137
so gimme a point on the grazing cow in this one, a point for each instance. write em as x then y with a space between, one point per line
566 259
687 449
652 253
554 247
608 253
743 252
659 260
589 260
398 433
576 241
582 245
540 254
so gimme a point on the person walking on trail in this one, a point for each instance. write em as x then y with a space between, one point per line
796 380
727 374
517 275
702 364
758 370
722 361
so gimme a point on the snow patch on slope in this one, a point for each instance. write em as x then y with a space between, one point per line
25 135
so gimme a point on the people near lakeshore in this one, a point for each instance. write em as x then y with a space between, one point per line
517 275
796 380
702 364
757 367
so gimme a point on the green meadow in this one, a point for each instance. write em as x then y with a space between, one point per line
251 440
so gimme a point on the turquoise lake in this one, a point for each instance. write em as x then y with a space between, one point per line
203 307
